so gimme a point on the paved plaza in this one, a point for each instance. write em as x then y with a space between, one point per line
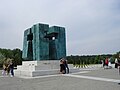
86 79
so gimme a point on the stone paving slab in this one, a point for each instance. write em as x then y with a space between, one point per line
64 82
103 73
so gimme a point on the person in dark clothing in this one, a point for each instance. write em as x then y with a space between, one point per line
119 66
103 63
66 66
116 63
62 67
11 66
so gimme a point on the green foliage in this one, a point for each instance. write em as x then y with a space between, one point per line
116 55
15 54
91 59
2 59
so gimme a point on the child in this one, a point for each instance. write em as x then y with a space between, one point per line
4 71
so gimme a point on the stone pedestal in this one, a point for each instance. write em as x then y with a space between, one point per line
38 68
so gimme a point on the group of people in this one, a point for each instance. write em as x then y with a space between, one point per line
106 63
8 69
64 66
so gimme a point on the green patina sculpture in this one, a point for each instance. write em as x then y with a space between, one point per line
42 42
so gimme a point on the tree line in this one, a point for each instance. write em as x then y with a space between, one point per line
91 59
16 56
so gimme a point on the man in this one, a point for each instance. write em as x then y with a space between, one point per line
66 66
119 66
62 67
11 66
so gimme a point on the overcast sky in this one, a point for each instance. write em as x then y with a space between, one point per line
92 26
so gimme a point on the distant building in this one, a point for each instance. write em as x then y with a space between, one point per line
42 42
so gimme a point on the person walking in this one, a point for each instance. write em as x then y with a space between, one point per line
119 64
11 66
66 66
106 63
116 63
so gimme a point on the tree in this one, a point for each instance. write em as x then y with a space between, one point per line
15 54
2 59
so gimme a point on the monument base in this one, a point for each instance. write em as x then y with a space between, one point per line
40 68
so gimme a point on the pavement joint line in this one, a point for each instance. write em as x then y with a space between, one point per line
51 75
26 77
93 78
81 72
